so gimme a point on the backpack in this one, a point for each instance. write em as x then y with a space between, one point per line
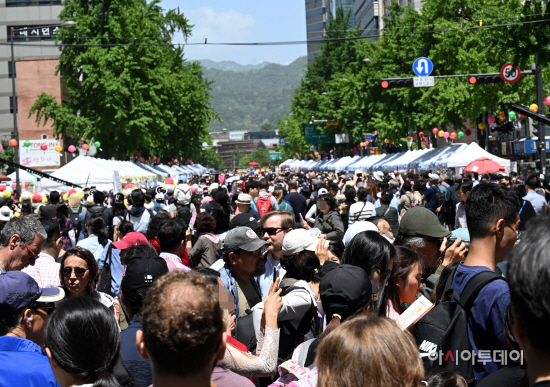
74 218
98 211
263 204
439 198
442 334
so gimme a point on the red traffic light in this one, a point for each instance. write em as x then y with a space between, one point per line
384 84
472 80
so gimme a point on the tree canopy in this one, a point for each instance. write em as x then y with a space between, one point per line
143 96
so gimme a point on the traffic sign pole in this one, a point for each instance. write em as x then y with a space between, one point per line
540 102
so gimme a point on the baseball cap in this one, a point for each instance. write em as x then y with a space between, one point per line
244 238
356 228
131 239
299 240
141 271
159 196
18 289
434 176
378 176
322 191
344 290
5 213
422 222
244 220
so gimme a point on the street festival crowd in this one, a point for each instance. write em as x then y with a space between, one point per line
279 279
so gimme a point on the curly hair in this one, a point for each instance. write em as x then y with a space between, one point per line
205 223
182 323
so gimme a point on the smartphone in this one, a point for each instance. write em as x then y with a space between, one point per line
301 218
359 175
193 218
275 274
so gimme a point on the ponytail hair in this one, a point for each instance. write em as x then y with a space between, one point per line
98 228
66 339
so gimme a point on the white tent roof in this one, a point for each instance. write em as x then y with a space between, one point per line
25 177
471 153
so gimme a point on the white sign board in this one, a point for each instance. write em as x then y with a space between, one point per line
423 81
341 138
34 156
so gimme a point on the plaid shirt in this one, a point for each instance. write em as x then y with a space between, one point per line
45 271
174 262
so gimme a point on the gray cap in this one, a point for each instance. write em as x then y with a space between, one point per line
243 238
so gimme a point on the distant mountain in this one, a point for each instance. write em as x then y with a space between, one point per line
245 99
229 65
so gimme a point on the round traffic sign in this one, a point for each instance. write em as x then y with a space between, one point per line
510 73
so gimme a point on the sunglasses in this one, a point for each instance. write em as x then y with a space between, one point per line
47 307
78 271
271 230
33 254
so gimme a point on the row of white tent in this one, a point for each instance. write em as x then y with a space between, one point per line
455 156
91 171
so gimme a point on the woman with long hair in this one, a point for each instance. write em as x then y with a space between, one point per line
78 356
278 193
98 236
68 237
369 351
404 281
374 254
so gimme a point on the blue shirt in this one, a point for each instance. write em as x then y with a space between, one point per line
24 364
266 279
139 368
92 244
430 197
538 201
486 317
117 268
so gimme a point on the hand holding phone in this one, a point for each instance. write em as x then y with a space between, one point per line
275 274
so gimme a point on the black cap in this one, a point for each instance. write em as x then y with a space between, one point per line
344 290
244 220
141 271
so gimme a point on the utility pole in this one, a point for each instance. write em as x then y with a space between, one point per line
540 102
14 106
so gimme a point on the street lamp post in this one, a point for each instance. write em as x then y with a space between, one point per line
14 99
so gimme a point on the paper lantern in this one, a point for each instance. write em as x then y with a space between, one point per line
2 188
27 184
440 133
547 101
27 144
44 147
460 134
80 193
522 116
512 115
534 108
376 132
453 135
502 116
71 191
421 134
361 144
1 147
435 130
65 197
36 198
366 143
44 199
129 186
169 181
72 148
386 141
85 147
6 194
491 119
13 142
415 137
31 184
13 185
468 132
409 138
481 125
446 134
58 148
98 144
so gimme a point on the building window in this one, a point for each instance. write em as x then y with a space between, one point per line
11 104
31 3
11 69
315 12
31 33
315 27
44 137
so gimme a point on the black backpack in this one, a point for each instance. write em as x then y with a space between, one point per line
74 218
442 334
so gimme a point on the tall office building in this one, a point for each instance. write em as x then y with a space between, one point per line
317 17
369 14
347 6
17 14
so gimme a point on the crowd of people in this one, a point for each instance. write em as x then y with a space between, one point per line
279 279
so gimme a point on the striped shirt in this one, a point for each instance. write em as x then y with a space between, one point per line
360 211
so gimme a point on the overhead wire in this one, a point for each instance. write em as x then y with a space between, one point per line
280 43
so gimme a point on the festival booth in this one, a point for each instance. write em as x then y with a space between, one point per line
472 152
380 166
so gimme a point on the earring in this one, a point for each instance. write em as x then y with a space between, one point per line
29 319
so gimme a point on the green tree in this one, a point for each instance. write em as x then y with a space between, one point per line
267 126
7 153
237 155
144 96
260 155
294 136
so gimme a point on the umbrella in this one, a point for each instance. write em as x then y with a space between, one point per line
253 163
483 165
4 178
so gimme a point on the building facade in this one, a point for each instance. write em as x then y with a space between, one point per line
317 18
347 6
369 14
40 17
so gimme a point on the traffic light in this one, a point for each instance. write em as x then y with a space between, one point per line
484 79
395 83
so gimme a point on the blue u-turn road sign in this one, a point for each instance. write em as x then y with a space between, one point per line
423 67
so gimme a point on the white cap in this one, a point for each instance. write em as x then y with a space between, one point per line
378 175
5 213
299 240
159 196
356 228
434 176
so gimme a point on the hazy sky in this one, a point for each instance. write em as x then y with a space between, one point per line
243 21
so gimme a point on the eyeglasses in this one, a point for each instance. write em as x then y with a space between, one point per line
78 271
47 307
33 254
518 233
271 230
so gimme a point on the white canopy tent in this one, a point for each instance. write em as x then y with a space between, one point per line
25 177
461 159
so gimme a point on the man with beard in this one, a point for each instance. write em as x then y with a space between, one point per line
243 257
298 318
273 227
